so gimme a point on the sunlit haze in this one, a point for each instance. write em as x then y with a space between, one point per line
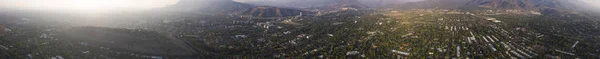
595 3
86 4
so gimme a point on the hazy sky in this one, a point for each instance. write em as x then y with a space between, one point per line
108 4
593 2
85 4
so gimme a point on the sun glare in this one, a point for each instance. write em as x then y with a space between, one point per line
96 4
91 4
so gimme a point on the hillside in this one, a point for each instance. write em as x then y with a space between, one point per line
209 6
267 11
544 6
340 5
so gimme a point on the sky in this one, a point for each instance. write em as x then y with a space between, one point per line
133 4
85 4
595 3
103 4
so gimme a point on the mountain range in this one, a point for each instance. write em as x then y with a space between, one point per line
209 6
544 6
267 11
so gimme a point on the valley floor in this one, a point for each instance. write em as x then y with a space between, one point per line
345 34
